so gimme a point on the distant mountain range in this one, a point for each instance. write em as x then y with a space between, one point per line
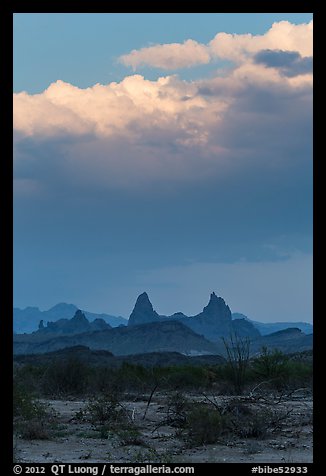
28 319
165 336
266 328
287 340
106 358
76 325
147 331
152 337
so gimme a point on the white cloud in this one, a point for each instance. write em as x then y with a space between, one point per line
168 56
106 110
283 36
169 127
238 48
167 103
41 114
136 105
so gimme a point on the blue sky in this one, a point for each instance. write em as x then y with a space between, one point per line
170 153
83 48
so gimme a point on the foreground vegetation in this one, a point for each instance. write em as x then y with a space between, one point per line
191 402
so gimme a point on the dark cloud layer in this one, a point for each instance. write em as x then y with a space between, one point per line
162 179
290 63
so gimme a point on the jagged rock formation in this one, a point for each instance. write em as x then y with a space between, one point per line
216 308
77 325
147 331
214 322
143 311
28 319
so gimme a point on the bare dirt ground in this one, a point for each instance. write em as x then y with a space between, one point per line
77 441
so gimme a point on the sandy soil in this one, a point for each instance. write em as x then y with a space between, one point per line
76 440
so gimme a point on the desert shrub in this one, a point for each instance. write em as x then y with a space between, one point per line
105 409
35 430
177 402
226 382
68 377
110 417
32 419
135 377
204 425
75 377
279 372
127 378
177 408
29 377
187 377
129 435
151 455
256 426
248 421
103 380
24 405
238 351
208 423
299 374
271 364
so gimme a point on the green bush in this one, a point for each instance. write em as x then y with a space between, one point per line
238 351
204 425
177 408
109 417
29 377
187 377
255 426
24 405
105 409
251 421
247 422
35 430
279 372
68 377
271 364
129 435
32 419
150 455
300 374
135 378
101 380
75 377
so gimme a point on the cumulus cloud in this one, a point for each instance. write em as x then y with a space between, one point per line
140 174
172 129
282 35
106 110
168 56
238 48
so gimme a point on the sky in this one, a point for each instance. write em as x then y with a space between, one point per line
167 153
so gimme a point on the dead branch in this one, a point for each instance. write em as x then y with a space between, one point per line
149 400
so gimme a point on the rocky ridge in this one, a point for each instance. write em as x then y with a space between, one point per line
215 320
